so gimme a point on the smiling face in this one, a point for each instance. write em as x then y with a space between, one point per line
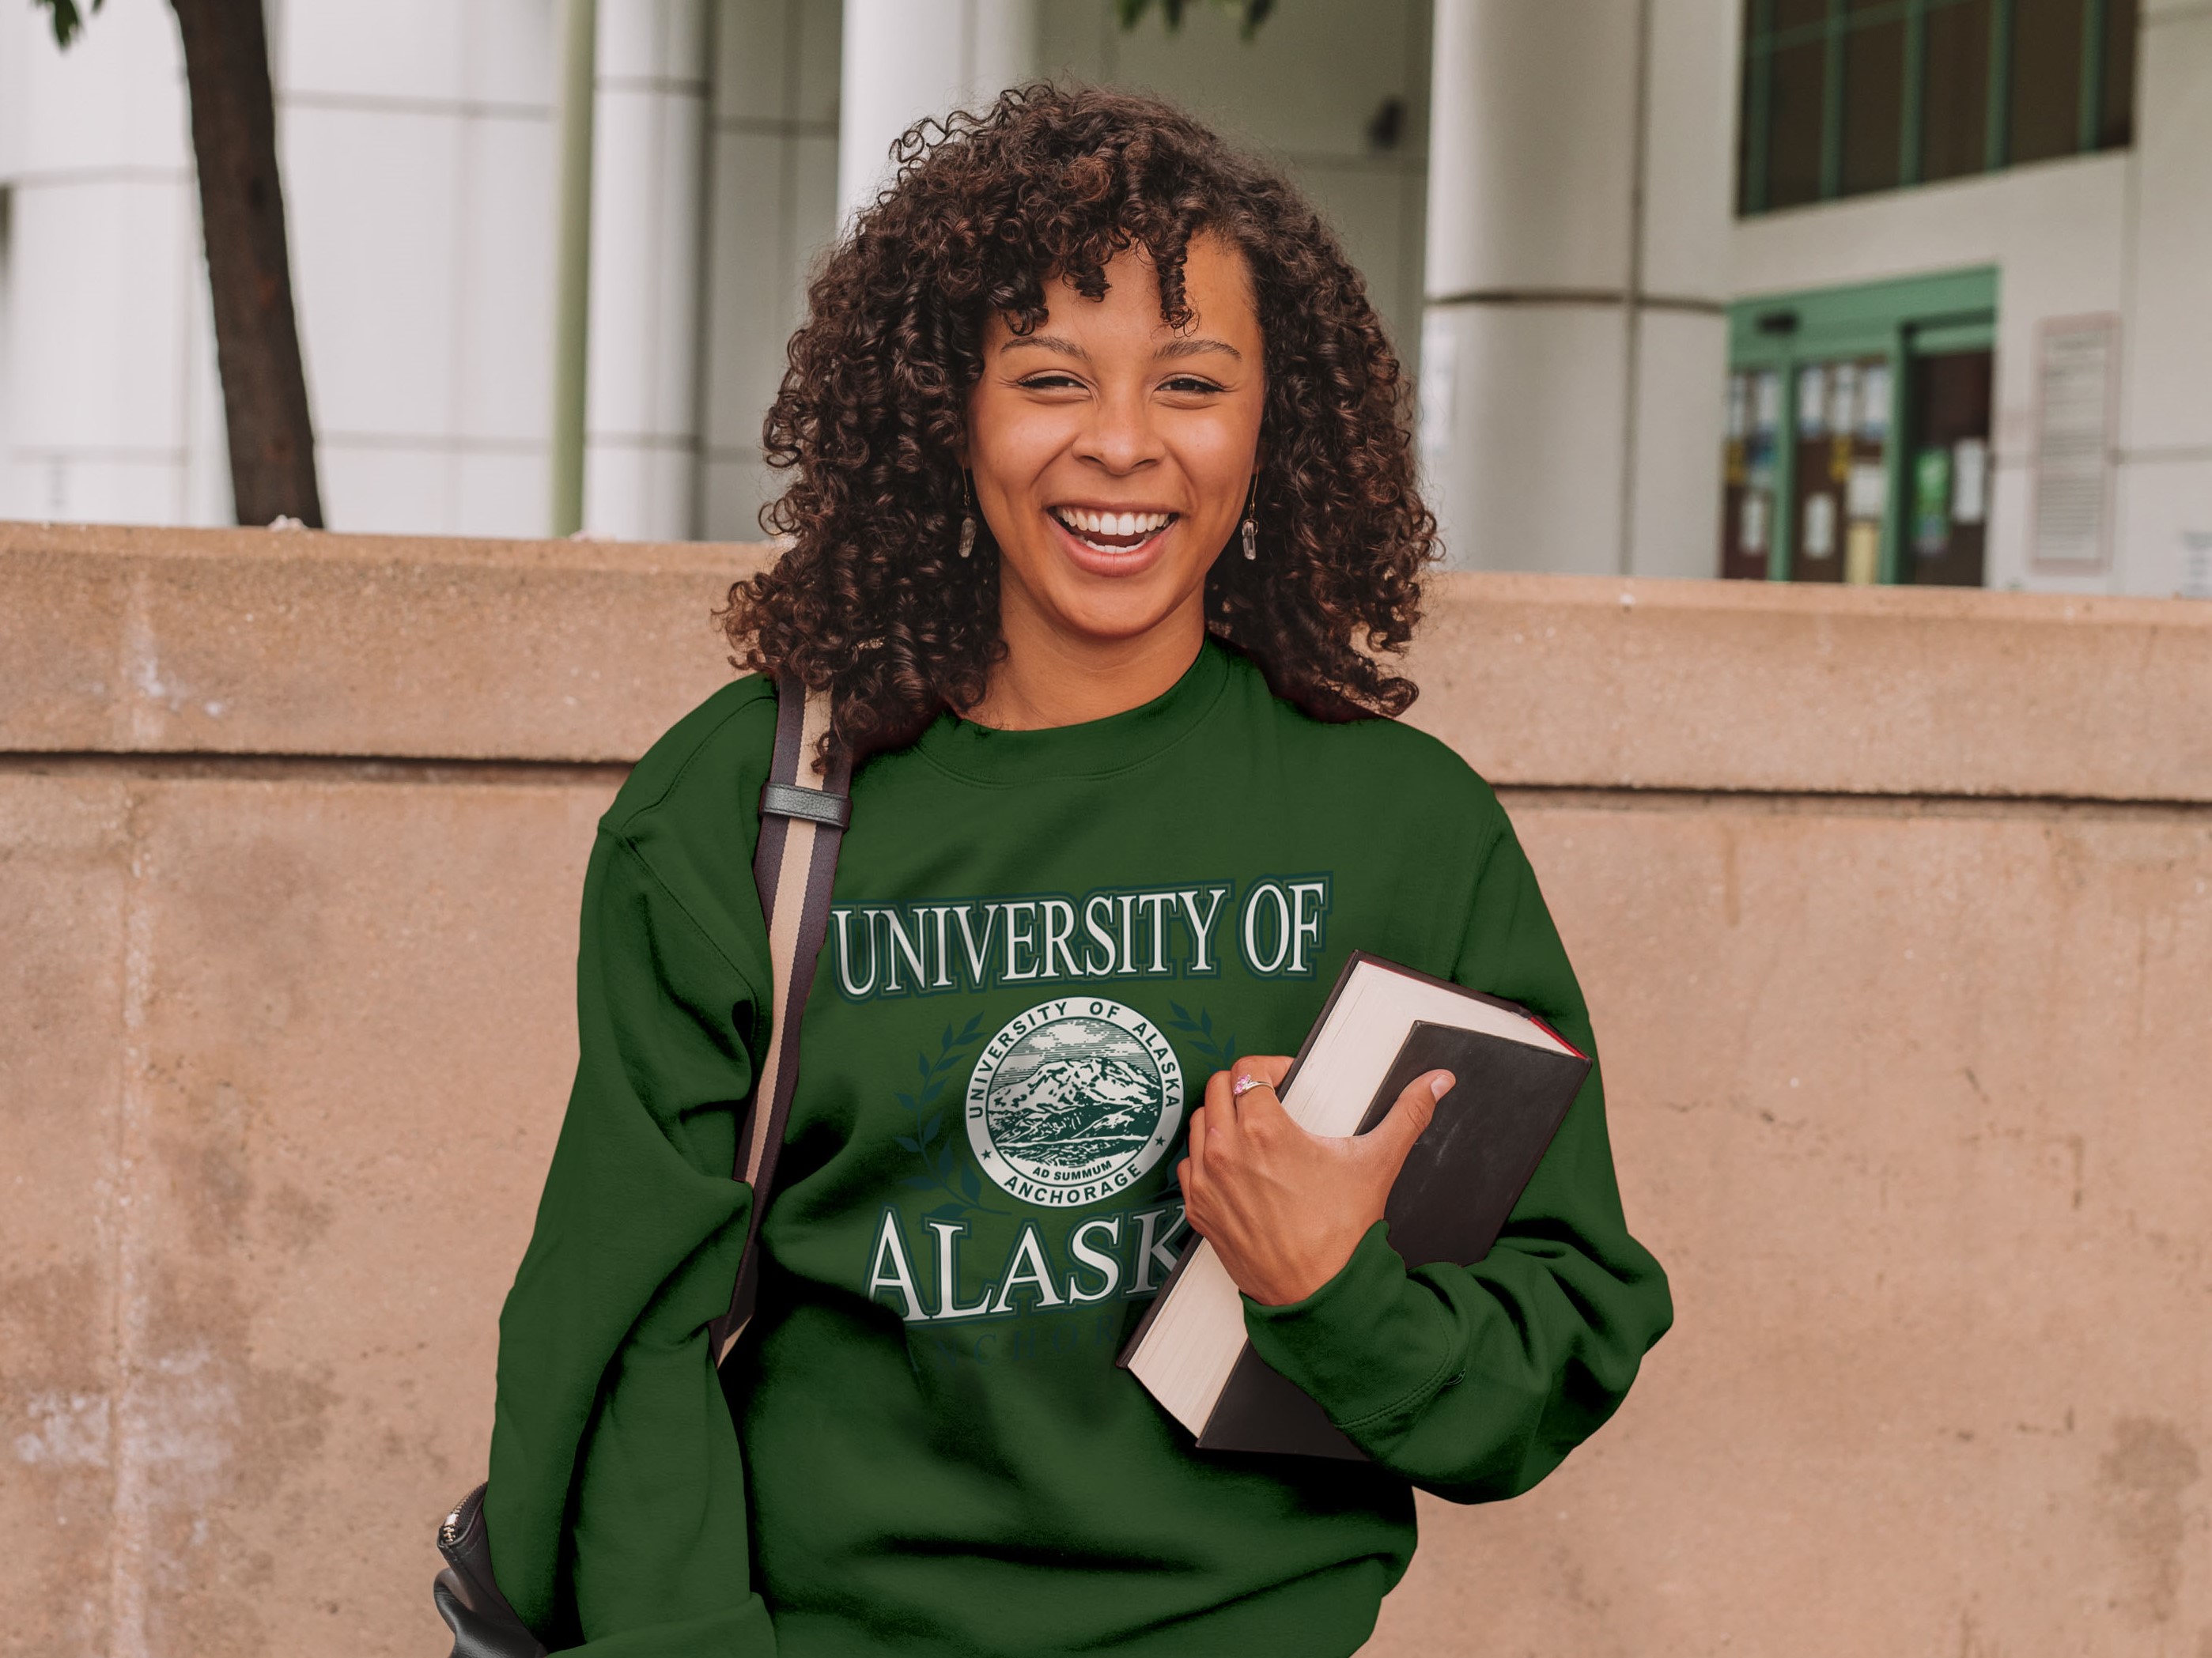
1112 455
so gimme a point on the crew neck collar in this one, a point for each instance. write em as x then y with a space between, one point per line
1090 748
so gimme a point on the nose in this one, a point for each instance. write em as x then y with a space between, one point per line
1119 436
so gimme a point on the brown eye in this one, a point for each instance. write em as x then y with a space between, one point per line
1190 383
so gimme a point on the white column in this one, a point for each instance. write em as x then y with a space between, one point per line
773 208
1573 344
641 399
2163 541
109 408
904 59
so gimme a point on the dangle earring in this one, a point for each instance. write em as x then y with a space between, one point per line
1251 529
967 514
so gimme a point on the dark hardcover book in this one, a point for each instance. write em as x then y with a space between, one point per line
1383 1025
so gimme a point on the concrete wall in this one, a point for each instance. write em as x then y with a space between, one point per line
1894 908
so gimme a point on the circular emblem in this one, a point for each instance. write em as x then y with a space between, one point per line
1074 1101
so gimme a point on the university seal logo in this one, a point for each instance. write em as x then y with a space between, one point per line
1074 1101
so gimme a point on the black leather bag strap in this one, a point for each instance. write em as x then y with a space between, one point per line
794 866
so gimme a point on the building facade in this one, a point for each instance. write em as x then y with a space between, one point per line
1863 290
1987 225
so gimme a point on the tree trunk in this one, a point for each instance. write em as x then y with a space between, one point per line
257 338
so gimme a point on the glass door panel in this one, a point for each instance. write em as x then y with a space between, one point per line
1824 390
1946 483
1839 486
1748 459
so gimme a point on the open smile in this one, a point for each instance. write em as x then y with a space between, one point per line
1111 532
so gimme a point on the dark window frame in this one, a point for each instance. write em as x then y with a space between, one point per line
1755 104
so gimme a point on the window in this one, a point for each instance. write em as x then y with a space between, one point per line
1857 436
1845 97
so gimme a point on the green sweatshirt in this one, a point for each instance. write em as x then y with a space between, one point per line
1042 943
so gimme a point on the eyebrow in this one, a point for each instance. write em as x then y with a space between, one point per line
1197 345
1181 346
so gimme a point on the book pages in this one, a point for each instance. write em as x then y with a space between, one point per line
1198 1331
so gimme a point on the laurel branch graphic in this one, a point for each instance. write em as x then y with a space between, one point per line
1221 1051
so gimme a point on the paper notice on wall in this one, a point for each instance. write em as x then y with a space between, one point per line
1874 403
1766 402
1844 398
1739 408
1970 480
1811 402
1863 554
1931 502
2077 366
1819 536
1867 491
1751 523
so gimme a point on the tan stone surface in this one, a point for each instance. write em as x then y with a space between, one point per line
1912 1104
1586 681
239 641
1910 1095
357 1027
246 642
66 992
247 1353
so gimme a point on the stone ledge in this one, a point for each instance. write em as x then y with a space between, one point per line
260 642
242 641
1590 682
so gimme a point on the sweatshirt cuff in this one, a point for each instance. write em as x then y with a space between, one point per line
1370 1345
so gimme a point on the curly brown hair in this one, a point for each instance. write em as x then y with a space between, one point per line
869 600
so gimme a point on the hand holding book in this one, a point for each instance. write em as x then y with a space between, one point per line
1283 1184
1282 1207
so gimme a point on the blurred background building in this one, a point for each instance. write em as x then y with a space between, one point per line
1850 290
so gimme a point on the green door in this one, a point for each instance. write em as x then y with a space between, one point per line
1843 405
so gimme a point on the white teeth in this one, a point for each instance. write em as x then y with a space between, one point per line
1085 522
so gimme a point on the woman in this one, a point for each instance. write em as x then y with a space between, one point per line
1102 514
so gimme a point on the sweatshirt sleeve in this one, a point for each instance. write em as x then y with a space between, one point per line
1473 1383
617 1509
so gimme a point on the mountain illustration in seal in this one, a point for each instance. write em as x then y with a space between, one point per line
1078 1095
